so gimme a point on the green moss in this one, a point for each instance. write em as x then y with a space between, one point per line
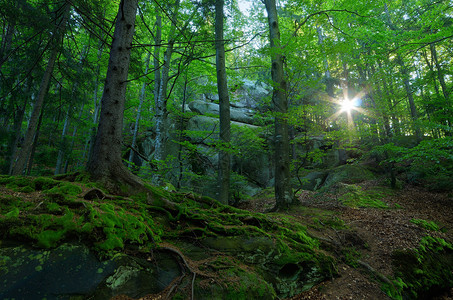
65 188
27 189
18 181
44 183
355 196
14 213
429 225
120 226
235 281
49 238
53 207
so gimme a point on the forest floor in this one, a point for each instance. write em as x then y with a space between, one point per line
372 233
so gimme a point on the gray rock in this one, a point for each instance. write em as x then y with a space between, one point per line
313 180
53 274
242 115
72 270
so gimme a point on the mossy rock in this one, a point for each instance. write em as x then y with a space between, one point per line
235 282
348 174
274 254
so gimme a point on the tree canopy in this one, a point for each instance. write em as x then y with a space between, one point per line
369 73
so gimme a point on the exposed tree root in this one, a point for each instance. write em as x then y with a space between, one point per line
378 275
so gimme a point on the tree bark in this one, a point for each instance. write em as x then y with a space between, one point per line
283 193
224 101
24 153
105 165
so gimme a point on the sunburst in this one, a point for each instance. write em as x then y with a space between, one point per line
348 106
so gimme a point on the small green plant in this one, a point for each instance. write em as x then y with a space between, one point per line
351 256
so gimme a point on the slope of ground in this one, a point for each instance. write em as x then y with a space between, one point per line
366 235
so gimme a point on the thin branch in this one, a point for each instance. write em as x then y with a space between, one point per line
325 12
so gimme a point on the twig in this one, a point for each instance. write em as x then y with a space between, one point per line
193 282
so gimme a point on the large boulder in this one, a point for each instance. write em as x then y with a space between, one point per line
204 129
250 94
73 270
313 180
348 174
243 115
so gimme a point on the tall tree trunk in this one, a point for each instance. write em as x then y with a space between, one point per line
35 144
61 152
329 82
19 116
139 111
7 41
410 98
283 193
156 62
445 90
105 165
71 147
160 152
224 100
407 86
23 154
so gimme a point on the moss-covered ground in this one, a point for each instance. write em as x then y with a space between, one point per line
45 212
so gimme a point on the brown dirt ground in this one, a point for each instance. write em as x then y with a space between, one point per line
378 231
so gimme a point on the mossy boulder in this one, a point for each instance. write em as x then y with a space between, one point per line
59 273
247 255
348 174
426 271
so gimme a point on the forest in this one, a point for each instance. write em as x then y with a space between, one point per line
226 149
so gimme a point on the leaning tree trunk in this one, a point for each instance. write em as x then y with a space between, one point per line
105 165
283 193
24 153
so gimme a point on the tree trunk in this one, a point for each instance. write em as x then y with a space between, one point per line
410 98
139 111
161 104
157 41
445 90
224 100
34 145
62 152
283 193
105 165
24 153
329 82
407 86
160 152
19 116
71 147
